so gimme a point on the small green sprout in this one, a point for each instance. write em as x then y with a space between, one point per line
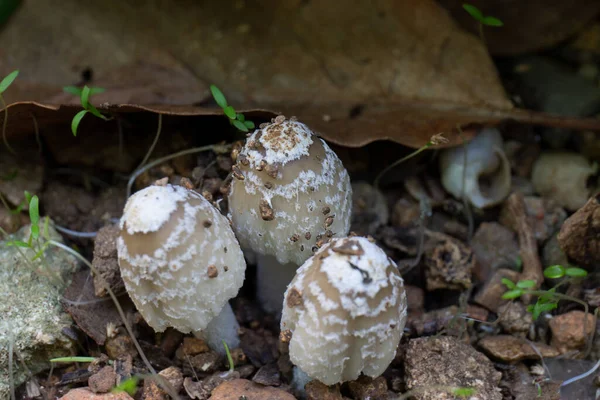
558 271
85 95
229 358
128 385
479 17
73 359
463 391
236 119
4 84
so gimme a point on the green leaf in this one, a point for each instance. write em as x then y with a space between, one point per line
218 96
473 11
74 90
18 243
249 124
229 358
128 385
526 284
35 233
508 283
40 251
34 210
537 309
575 272
28 196
554 272
8 79
95 112
73 359
76 120
85 97
512 294
492 21
240 117
239 125
230 112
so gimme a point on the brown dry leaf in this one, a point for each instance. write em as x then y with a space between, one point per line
356 72
529 25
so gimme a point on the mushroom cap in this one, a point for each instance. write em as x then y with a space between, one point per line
346 311
290 193
179 258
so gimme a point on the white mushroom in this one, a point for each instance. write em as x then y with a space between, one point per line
563 177
181 263
290 194
487 179
345 311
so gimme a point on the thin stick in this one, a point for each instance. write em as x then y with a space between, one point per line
36 130
151 149
4 124
400 161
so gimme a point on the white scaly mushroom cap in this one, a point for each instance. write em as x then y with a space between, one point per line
179 258
487 179
346 311
290 192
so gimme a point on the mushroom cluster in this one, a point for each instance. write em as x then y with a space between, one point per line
181 263
345 312
289 196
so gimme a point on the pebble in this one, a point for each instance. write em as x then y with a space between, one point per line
268 375
120 347
316 390
495 246
578 236
568 330
366 388
245 389
446 361
514 318
490 296
191 346
103 381
511 349
544 216
86 394
105 261
448 263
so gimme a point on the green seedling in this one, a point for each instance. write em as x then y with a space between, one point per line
236 119
84 95
73 360
483 20
229 358
4 84
128 385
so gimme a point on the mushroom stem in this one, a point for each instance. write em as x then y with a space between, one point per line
272 279
222 327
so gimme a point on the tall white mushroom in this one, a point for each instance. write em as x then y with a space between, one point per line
345 311
289 196
181 263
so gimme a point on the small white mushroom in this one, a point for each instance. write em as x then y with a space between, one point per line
487 179
290 194
563 177
345 310
181 263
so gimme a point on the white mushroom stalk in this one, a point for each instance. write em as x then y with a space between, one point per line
486 181
289 196
345 311
181 263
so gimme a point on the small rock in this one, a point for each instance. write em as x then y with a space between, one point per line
238 356
568 330
191 346
442 222
406 212
545 217
202 390
32 319
123 368
366 388
204 362
245 370
12 222
519 382
268 375
563 177
579 237
369 209
171 340
86 394
152 391
120 346
106 262
448 263
490 296
315 390
552 254
446 361
495 246
415 297
511 349
245 389
174 376
103 381
514 318
434 321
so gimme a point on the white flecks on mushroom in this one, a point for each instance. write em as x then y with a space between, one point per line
180 262
563 177
289 196
487 178
346 311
